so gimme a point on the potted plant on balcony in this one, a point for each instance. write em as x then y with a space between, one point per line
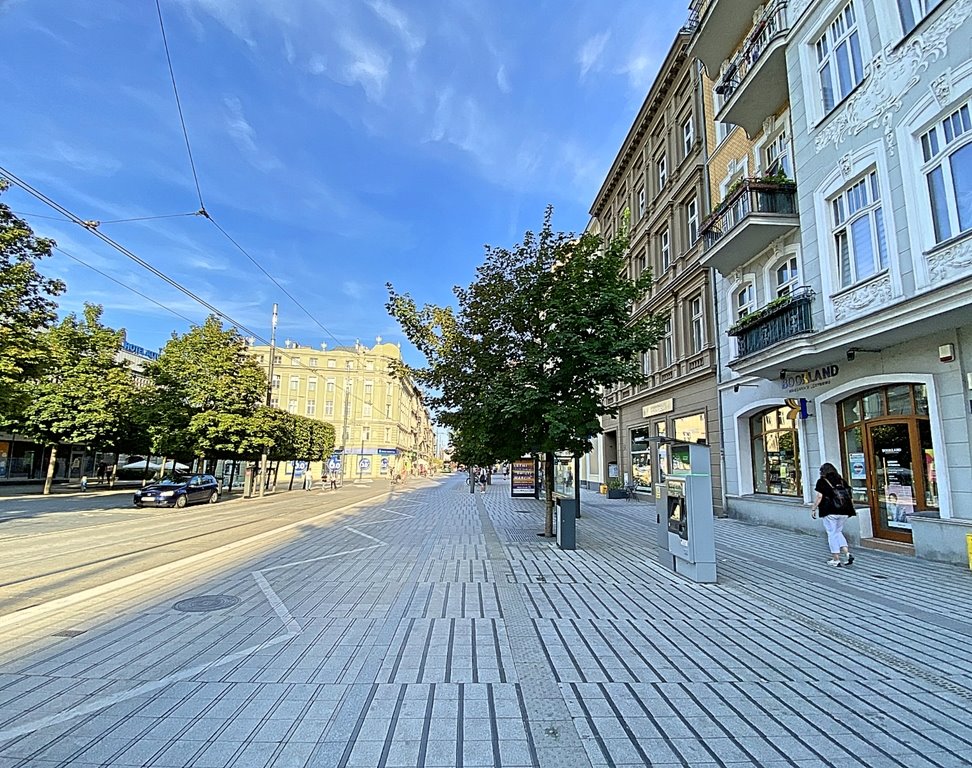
754 317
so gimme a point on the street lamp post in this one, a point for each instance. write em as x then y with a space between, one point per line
273 351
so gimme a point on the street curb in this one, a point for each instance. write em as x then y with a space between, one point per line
39 611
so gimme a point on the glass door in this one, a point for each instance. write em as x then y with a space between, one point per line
894 495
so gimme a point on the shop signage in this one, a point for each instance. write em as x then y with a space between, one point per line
387 451
140 351
662 406
815 377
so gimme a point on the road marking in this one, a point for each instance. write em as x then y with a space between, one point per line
38 611
290 623
321 557
402 514
366 535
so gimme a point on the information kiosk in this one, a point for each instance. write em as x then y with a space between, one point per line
686 537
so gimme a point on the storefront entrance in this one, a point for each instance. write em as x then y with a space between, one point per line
889 458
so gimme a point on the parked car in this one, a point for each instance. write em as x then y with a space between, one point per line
176 490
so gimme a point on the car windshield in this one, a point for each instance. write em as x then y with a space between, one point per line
174 479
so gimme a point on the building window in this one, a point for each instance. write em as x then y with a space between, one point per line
646 363
859 237
349 365
312 384
387 435
292 406
329 385
665 246
331 363
313 362
641 458
388 409
642 263
295 361
745 300
311 407
776 453
277 359
776 156
691 429
692 220
913 11
840 65
947 155
369 388
698 324
294 382
274 402
642 202
260 358
787 277
667 351
721 129
276 381
688 136
366 410
662 167
365 433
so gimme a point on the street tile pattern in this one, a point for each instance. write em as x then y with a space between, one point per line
435 628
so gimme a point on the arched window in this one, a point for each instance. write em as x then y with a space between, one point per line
776 453
744 300
787 277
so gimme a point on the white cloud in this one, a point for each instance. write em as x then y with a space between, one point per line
640 71
503 79
86 160
244 136
397 20
368 66
352 289
590 52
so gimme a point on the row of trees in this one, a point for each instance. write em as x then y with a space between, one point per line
62 382
519 367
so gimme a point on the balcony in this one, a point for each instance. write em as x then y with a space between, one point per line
780 320
754 83
750 218
721 25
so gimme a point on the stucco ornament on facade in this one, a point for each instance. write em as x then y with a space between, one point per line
890 75
941 87
950 262
855 301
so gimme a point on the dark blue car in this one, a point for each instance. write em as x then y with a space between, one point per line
177 490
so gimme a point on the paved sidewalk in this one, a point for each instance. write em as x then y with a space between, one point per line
438 630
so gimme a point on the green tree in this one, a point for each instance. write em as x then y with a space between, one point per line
26 309
519 367
85 395
200 382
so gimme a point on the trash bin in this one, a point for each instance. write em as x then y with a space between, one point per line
566 523
968 543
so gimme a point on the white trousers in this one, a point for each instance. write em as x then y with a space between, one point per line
834 526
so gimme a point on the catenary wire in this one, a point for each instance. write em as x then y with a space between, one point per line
202 208
123 285
182 119
74 218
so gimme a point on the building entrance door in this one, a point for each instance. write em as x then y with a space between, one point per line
892 494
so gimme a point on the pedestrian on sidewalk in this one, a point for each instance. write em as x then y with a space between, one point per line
84 482
482 479
835 504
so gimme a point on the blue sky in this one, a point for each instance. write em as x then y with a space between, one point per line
343 143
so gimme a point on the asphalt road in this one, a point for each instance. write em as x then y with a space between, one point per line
56 546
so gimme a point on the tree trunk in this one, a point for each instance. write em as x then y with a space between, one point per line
472 481
51 466
162 467
548 481
293 471
148 460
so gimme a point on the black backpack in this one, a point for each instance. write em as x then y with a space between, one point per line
843 501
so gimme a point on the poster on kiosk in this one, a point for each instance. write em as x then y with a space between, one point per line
686 536
523 478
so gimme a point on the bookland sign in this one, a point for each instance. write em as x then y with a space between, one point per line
815 377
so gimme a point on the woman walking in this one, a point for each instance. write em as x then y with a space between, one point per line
835 504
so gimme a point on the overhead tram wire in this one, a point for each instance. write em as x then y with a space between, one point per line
182 119
195 177
14 179
123 285
86 225
99 222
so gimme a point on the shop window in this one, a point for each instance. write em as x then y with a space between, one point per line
776 453
690 429
860 243
641 458
947 156
840 65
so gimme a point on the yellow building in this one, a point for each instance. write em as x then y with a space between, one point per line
381 425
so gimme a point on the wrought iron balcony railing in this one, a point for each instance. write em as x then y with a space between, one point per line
777 321
771 25
752 196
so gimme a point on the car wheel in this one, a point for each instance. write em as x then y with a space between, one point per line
181 501
214 498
